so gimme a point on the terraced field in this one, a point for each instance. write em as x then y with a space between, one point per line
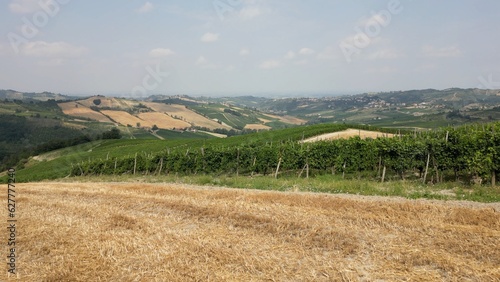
167 232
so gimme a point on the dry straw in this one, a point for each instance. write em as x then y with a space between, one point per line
153 232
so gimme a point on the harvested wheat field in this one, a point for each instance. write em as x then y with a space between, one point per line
168 232
184 113
125 118
163 121
77 110
115 103
363 134
256 126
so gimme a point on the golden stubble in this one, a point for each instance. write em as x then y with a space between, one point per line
168 232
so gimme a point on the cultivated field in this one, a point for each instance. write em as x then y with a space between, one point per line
257 126
125 118
115 103
182 112
155 232
163 121
345 134
78 110
288 119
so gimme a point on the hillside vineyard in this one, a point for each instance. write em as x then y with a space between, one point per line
467 152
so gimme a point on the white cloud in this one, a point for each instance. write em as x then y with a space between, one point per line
244 52
290 55
209 37
54 49
385 54
306 51
147 7
24 6
201 61
270 64
160 53
443 52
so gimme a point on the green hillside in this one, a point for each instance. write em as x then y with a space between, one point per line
57 164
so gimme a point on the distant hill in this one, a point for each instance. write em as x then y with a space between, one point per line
427 108
44 96
414 108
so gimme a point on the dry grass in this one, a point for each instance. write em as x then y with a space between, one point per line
363 134
115 103
184 113
153 232
163 121
257 126
71 109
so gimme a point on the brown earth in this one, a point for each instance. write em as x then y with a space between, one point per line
168 232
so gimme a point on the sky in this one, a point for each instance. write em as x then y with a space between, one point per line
136 48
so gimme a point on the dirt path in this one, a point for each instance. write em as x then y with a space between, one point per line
166 232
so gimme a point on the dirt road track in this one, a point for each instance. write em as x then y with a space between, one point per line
155 232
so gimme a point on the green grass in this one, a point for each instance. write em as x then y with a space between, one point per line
322 184
174 135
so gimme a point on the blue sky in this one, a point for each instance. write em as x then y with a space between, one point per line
240 47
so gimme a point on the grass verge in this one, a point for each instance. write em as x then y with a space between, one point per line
321 184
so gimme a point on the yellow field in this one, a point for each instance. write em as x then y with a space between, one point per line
70 109
363 134
183 113
257 127
125 118
165 232
115 103
163 121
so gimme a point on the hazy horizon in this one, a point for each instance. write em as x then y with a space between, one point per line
247 47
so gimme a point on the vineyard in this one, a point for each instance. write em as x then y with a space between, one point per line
468 153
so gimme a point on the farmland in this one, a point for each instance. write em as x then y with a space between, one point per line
183 113
163 121
77 110
346 134
125 118
169 232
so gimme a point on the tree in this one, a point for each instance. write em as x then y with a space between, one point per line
97 102
155 127
114 133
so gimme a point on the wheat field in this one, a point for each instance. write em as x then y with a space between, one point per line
173 232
